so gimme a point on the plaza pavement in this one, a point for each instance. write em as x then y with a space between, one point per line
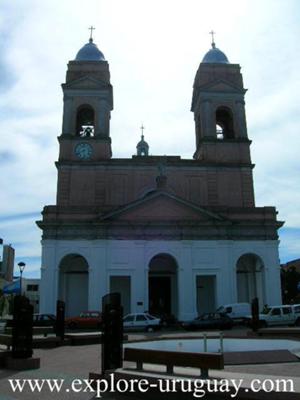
73 362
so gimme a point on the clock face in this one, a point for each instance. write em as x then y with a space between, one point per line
83 151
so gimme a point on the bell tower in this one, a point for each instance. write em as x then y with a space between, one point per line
88 101
142 147
219 111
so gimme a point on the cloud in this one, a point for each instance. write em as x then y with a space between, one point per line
20 231
6 157
289 247
154 49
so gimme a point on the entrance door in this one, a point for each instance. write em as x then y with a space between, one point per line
159 295
121 284
206 296
74 284
76 293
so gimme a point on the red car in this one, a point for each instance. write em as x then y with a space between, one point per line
87 319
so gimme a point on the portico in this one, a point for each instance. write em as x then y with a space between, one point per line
128 266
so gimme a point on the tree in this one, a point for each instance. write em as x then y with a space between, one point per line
290 279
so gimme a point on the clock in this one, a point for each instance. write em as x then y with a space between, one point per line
83 151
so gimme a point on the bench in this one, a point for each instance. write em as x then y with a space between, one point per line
280 332
36 330
171 359
38 342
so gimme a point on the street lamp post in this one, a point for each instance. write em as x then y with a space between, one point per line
21 267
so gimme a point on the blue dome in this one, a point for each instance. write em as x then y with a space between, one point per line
90 52
214 55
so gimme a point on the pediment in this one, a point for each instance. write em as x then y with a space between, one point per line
161 206
222 86
86 82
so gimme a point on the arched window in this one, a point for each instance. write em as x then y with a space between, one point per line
73 283
224 123
142 151
250 278
85 121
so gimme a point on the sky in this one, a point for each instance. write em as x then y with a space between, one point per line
154 49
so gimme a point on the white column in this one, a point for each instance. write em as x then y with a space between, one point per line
272 274
187 297
225 273
49 280
139 279
93 300
259 287
146 288
97 277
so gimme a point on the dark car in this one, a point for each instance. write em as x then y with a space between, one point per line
38 320
44 320
209 321
167 320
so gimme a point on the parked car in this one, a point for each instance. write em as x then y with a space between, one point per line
2 325
209 321
236 311
296 311
87 319
44 320
167 320
38 320
141 321
279 315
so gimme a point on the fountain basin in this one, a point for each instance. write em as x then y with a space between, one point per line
213 345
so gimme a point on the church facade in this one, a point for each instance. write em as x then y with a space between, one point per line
173 236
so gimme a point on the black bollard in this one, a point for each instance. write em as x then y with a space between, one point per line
112 339
22 328
60 319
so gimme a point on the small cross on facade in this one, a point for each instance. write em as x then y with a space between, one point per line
91 28
212 33
142 129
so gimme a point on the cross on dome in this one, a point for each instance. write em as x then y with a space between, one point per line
214 55
142 146
212 33
91 28
142 129
90 51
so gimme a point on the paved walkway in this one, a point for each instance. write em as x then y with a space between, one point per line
66 363
71 363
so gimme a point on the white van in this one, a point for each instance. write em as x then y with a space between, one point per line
236 311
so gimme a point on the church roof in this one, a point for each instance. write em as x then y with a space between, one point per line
215 55
159 204
90 52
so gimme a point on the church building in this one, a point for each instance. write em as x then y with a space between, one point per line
173 236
